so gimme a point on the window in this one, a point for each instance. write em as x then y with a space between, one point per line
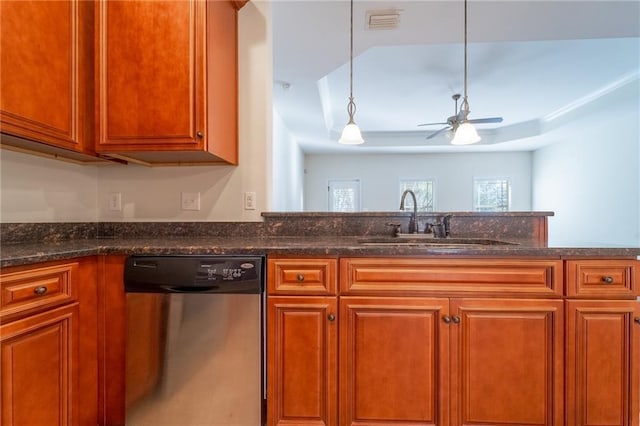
491 194
424 193
344 195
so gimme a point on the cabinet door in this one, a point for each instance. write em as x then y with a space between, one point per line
150 75
603 356
39 369
507 362
47 59
301 360
393 361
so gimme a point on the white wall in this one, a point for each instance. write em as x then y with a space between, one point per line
453 173
591 179
35 189
41 190
288 169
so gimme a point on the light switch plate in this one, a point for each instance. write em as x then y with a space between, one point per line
190 200
115 201
249 200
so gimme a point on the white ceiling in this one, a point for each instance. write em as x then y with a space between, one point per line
538 64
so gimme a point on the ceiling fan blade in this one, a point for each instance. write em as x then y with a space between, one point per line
486 120
431 124
437 132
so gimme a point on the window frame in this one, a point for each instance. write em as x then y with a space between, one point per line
474 201
357 199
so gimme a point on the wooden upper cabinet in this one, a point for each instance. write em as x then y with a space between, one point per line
46 101
166 81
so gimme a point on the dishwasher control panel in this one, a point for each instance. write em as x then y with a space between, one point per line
207 274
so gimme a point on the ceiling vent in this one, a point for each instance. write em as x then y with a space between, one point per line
383 19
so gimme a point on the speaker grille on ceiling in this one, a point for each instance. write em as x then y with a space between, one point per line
383 19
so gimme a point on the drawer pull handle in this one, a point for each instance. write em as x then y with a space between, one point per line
300 278
455 319
40 290
331 317
199 134
637 320
607 279
446 319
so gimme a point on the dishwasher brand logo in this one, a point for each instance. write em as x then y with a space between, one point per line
247 266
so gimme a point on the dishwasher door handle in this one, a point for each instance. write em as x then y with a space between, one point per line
189 289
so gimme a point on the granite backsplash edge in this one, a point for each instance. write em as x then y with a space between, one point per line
525 225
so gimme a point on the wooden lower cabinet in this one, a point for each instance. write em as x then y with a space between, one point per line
49 344
438 361
302 366
40 369
507 362
603 362
394 357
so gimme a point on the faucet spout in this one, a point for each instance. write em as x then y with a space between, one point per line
413 223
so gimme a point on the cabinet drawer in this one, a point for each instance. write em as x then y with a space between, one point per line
302 276
451 276
30 290
601 278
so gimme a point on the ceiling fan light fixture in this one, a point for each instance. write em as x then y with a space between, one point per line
351 134
466 134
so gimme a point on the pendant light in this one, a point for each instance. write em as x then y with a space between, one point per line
351 134
466 134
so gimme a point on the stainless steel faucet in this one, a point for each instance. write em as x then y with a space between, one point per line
413 223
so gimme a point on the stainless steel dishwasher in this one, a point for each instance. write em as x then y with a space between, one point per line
195 340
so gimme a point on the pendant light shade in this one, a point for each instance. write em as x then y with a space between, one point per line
351 134
466 133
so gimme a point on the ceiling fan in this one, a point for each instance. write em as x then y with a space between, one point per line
457 118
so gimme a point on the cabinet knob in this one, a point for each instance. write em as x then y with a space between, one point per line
331 317
40 290
300 278
607 279
199 134
455 319
446 319
637 320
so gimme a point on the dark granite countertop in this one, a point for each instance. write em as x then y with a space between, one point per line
28 253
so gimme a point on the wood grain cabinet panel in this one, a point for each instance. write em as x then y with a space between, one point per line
508 362
49 340
302 276
47 72
37 288
393 361
167 81
302 361
603 360
385 276
40 369
608 279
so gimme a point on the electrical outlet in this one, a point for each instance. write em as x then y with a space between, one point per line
115 201
249 200
190 200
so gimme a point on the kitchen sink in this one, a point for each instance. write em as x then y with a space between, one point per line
429 241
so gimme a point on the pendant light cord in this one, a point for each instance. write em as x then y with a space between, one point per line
465 102
351 107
